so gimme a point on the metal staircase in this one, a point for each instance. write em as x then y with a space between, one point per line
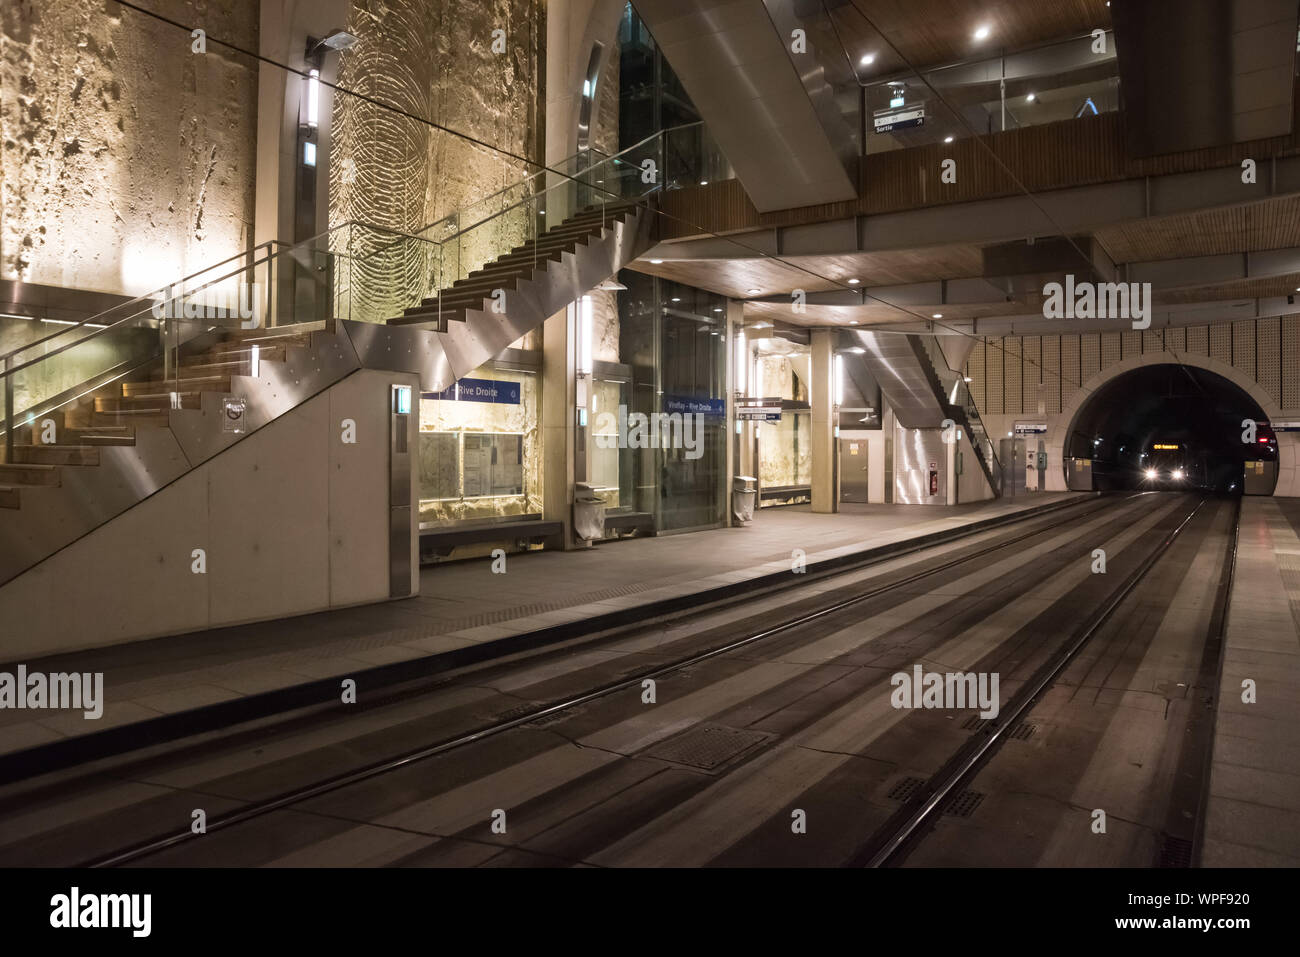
137 396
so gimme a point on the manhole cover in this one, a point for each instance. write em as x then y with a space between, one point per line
707 746
964 804
904 789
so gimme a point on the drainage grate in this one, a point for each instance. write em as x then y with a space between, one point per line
964 804
1022 732
905 789
708 746
1175 852
554 718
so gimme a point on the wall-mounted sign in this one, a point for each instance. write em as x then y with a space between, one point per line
1286 426
479 390
898 118
1031 428
232 414
688 405
759 413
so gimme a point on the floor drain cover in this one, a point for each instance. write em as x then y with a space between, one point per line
1022 732
1176 852
708 746
964 804
904 789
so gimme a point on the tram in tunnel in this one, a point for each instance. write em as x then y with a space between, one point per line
1174 427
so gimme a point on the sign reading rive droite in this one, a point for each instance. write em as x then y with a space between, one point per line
478 390
690 405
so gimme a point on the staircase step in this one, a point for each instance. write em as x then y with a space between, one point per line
145 403
10 497
55 455
202 367
18 474
148 417
244 343
183 385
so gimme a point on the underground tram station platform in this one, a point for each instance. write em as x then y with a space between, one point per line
677 434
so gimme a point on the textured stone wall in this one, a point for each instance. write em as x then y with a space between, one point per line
434 59
128 160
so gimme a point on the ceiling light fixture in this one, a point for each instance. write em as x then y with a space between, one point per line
1030 98
982 32
655 262
752 292
868 59
854 282
947 139
937 315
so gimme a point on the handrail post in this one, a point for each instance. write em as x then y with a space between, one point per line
9 410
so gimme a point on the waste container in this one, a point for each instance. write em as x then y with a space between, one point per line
744 490
588 513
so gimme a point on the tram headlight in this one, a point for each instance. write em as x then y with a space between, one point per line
1151 473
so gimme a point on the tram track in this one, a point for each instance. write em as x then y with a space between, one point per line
141 851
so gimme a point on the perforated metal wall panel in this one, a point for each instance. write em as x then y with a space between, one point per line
1051 392
1221 342
1034 381
1153 340
1198 340
994 359
1012 377
1071 374
1243 346
1268 356
1130 344
1109 349
1291 362
1176 340
1089 356
976 372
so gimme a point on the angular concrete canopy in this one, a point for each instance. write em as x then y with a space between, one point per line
738 71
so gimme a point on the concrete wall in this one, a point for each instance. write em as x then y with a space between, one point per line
129 159
292 521
1013 377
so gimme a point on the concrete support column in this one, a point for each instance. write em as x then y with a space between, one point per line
825 496
557 420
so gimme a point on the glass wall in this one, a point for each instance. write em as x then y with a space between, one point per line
479 455
782 370
672 342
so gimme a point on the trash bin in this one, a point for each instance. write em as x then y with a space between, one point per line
588 513
744 490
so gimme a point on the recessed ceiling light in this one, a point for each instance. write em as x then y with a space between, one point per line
853 322
717 308
655 262
868 59
752 292
677 298
704 182
947 139
1030 98
982 32
967 378
937 315
854 282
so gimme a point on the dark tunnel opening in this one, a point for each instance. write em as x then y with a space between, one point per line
1170 426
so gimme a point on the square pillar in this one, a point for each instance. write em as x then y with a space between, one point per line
825 494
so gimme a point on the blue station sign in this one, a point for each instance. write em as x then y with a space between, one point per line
478 390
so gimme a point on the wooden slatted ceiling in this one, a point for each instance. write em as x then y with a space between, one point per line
1273 224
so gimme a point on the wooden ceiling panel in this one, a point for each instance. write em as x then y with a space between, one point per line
1273 224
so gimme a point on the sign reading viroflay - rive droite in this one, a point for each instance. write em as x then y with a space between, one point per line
478 390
